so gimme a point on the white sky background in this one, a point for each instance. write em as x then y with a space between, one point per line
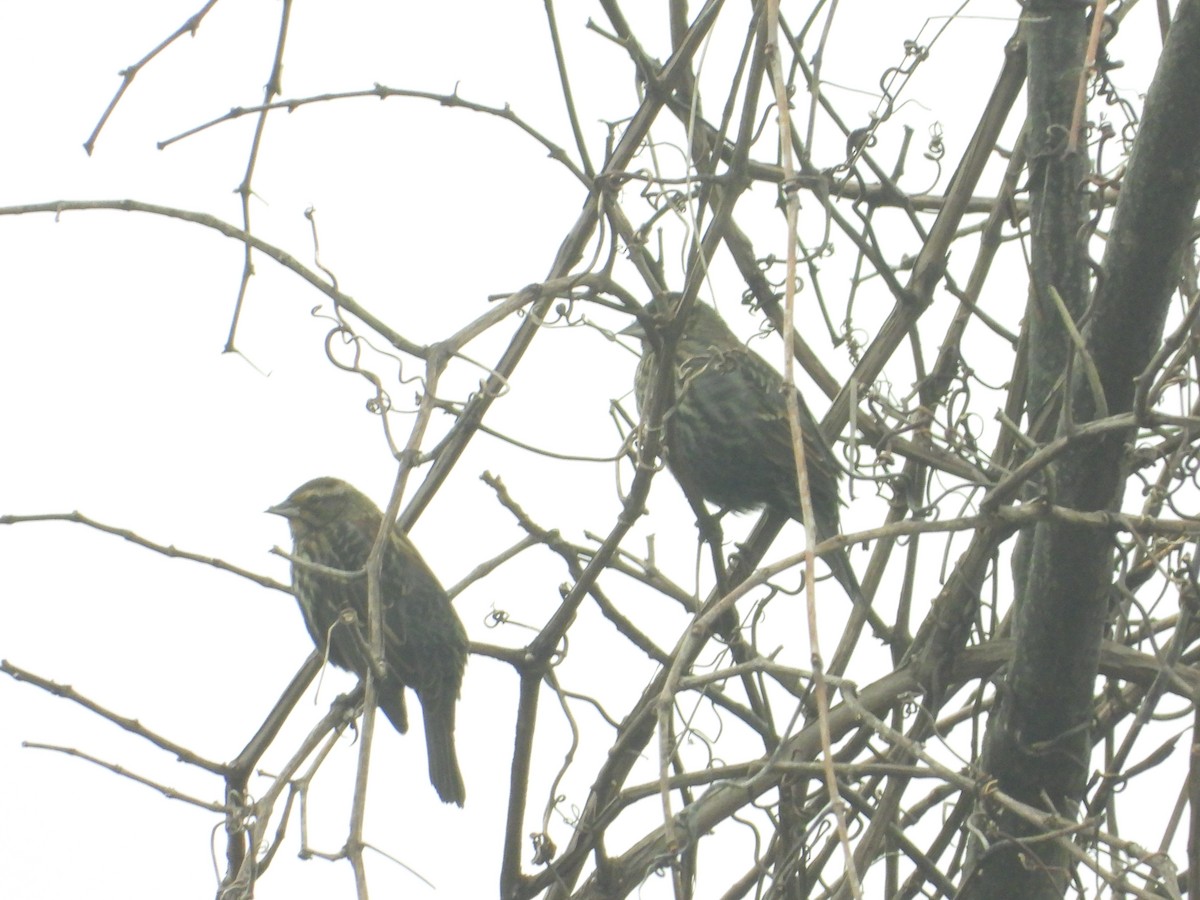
116 399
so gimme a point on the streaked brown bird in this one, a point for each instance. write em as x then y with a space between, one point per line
425 645
727 436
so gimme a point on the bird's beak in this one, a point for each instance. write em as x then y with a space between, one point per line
634 329
282 509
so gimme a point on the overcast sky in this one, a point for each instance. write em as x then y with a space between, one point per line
118 401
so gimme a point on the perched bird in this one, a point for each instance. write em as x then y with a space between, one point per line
727 436
425 645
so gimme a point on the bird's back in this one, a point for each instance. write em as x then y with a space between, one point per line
729 436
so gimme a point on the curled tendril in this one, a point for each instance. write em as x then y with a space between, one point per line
935 150
380 404
544 849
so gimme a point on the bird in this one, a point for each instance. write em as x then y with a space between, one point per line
727 437
334 525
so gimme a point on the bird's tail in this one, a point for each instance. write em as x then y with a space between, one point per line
839 563
390 698
439 741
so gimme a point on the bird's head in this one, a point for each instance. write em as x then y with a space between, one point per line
321 501
703 326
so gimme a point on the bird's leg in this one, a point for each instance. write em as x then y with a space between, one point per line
349 618
709 526
728 626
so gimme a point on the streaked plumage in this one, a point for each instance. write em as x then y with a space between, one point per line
727 434
425 645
